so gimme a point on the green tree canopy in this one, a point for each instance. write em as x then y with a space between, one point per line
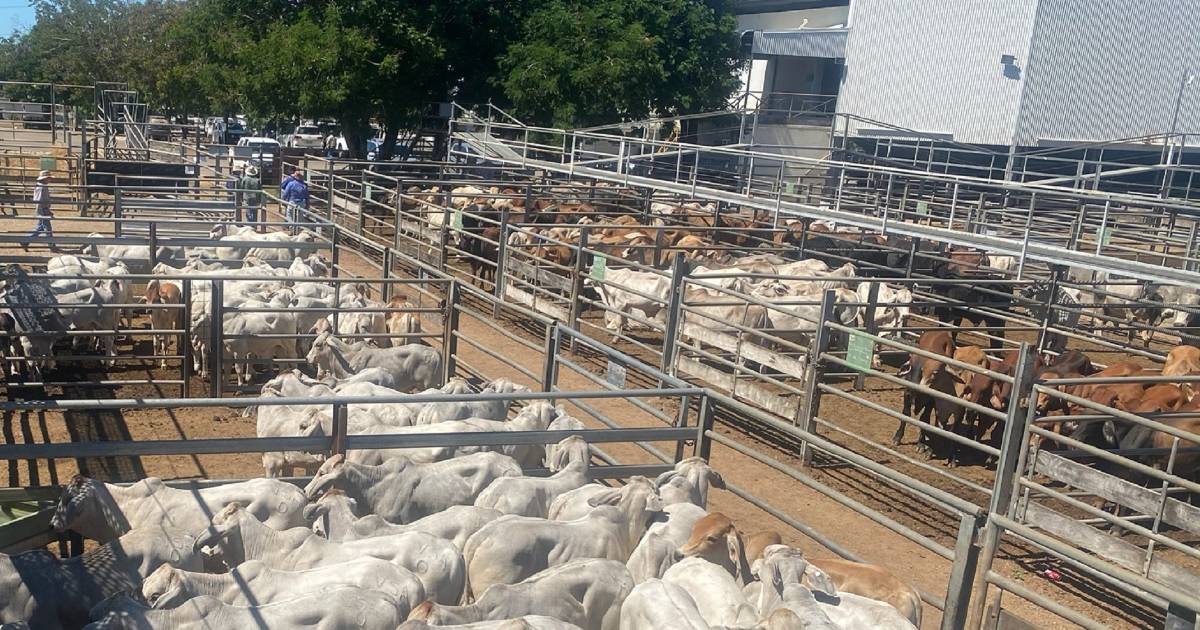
584 63
566 62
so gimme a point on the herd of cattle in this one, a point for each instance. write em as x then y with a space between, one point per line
455 537
267 307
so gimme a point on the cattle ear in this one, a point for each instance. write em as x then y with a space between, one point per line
715 479
817 580
664 478
608 496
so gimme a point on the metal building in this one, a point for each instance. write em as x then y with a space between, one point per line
1024 72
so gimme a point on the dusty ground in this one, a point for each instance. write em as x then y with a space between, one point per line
848 528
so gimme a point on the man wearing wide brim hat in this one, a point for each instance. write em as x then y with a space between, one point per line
251 188
41 200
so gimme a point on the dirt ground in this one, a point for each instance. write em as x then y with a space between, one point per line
847 527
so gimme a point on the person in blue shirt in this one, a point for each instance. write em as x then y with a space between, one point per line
295 195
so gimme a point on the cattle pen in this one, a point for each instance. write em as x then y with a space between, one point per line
805 409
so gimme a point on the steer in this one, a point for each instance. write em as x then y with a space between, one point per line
164 297
929 372
235 537
587 593
513 548
626 292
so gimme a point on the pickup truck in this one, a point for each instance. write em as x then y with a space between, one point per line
304 137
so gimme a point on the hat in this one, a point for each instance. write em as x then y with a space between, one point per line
252 171
43 175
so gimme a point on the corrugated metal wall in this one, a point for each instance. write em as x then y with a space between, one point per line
1112 69
934 66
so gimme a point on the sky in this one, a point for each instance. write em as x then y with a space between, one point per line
15 15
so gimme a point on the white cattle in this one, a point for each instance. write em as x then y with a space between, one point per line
893 306
784 573
414 366
38 588
103 512
658 605
485 409
512 548
626 292
236 537
534 417
715 591
531 496
92 311
528 622
339 608
70 265
586 593
400 491
285 421
794 318
358 317
255 583
689 482
258 335
333 517
659 548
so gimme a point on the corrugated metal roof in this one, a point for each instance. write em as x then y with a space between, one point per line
829 43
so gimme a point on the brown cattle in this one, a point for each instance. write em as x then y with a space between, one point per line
716 539
874 582
926 371
164 293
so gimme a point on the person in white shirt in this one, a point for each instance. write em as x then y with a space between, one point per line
41 199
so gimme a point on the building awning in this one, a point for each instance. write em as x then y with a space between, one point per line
829 43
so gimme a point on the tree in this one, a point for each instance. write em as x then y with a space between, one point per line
583 63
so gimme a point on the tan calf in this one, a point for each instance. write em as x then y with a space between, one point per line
164 293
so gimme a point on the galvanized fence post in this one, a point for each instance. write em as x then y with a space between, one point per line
501 263
812 393
118 212
362 202
450 332
704 424
338 443
550 360
182 343
1048 315
575 306
333 252
674 316
215 332
386 286
966 558
444 236
152 255
1008 470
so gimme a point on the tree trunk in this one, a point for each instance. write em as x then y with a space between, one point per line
357 134
388 149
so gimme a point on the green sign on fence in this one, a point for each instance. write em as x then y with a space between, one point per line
923 208
49 163
1104 235
457 219
860 351
599 266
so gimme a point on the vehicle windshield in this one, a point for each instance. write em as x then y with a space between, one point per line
308 131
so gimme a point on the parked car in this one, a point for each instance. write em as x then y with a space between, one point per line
260 151
234 132
304 137
158 128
